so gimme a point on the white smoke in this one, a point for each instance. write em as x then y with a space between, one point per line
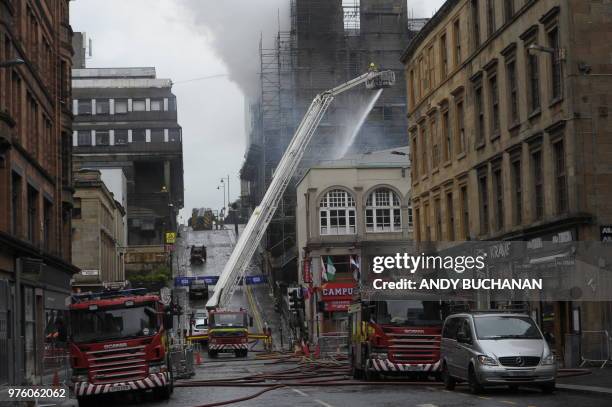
234 29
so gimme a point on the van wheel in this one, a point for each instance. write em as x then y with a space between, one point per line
86 401
475 387
449 381
548 388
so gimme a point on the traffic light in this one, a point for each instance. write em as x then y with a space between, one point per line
293 299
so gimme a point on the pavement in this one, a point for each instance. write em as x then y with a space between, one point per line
598 381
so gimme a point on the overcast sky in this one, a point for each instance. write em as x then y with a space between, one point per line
189 39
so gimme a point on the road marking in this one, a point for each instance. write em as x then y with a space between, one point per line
300 392
508 402
426 405
324 404
484 398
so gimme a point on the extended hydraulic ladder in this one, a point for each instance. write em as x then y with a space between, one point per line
249 239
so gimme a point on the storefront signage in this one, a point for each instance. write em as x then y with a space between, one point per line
90 272
605 233
307 271
337 296
170 237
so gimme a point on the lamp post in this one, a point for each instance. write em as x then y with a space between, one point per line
228 188
219 187
11 62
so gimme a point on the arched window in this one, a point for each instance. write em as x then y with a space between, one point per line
337 213
383 211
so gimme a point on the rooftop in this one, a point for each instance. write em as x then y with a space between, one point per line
138 77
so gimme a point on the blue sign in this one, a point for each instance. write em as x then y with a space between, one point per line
212 280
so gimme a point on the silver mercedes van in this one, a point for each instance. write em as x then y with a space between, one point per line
495 348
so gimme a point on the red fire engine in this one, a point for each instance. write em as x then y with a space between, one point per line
395 337
119 343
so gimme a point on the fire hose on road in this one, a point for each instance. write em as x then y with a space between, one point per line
309 373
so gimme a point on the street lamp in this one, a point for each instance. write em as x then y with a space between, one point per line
219 187
228 189
11 62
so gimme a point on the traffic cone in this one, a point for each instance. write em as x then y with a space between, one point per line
56 379
317 351
305 349
198 360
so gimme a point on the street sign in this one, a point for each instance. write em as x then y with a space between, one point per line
166 295
212 280
170 237
605 233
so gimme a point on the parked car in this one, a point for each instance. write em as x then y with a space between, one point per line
198 289
199 325
495 348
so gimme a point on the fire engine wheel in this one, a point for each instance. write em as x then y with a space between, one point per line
86 401
449 381
213 354
162 393
243 353
357 373
371 375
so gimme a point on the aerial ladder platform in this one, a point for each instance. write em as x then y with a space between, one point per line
249 239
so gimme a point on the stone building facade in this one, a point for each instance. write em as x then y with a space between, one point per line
35 180
342 207
98 237
510 130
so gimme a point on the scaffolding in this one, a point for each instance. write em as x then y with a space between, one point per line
328 42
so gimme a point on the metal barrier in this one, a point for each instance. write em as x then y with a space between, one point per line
335 343
181 359
56 365
595 347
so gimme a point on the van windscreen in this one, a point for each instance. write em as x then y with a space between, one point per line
506 327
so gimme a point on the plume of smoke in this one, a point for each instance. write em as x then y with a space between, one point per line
234 28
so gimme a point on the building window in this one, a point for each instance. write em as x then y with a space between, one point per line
423 144
47 224
465 213
499 198
383 211
444 55
174 135
16 191
157 105
139 136
33 220
494 100
484 203
457 42
491 17
411 89
450 216
139 105
555 64
102 106
533 82
417 225
460 125
480 115
426 220
448 137
84 138
172 104
157 135
435 150
475 23
337 213
512 93
538 184
121 137
410 220
102 138
560 177
76 209
431 66
508 10
517 187
414 157
438 216
84 106
121 106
